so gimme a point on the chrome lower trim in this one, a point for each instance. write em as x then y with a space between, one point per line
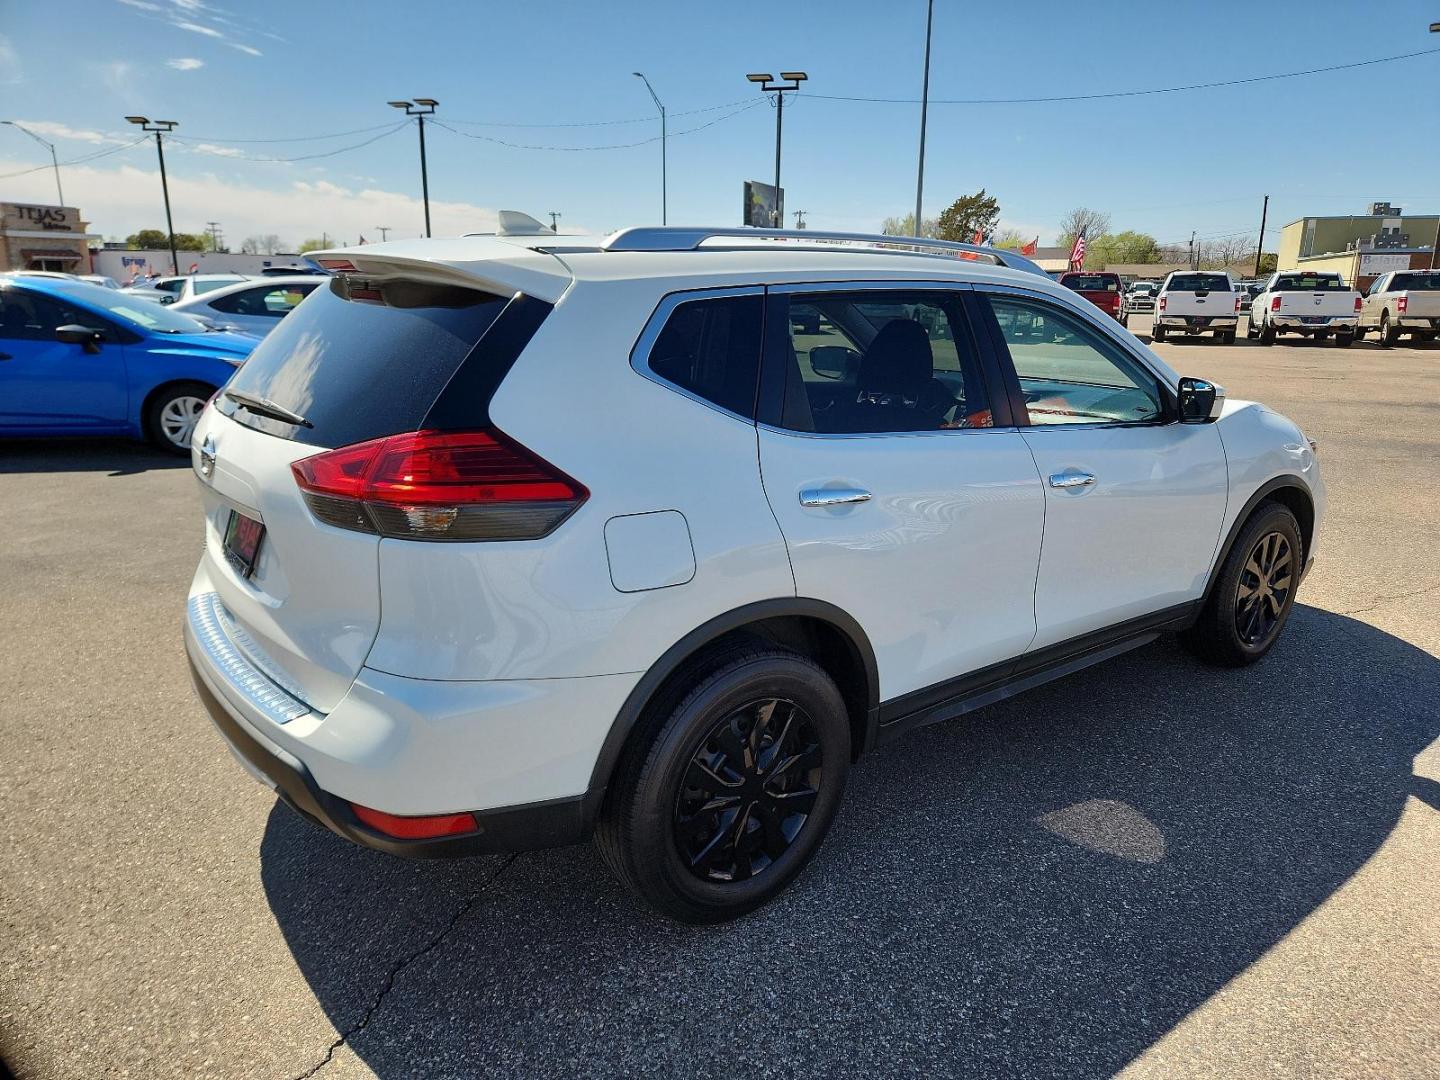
218 637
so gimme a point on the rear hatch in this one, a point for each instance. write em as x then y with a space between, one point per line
1199 294
1314 297
360 359
1421 291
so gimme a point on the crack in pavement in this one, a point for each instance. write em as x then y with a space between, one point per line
1383 600
404 962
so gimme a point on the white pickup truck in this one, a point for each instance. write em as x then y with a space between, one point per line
1402 302
1310 302
1196 302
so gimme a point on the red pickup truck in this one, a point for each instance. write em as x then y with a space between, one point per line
1101 289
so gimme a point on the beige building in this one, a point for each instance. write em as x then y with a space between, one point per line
1360 247
44 238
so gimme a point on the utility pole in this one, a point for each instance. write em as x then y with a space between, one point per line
420 108
213 228
159 127
1260 244
800 218
924 109
49 146
1193 264
794 79
1435 29
664 194
384 231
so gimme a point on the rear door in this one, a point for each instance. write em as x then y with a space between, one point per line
364 359
1133 500
47 383
900 500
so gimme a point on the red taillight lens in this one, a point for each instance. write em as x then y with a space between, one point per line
426 827
1401 303
1161 303
1237 305
1274 303
439 485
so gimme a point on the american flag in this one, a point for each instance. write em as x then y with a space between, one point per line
1077 253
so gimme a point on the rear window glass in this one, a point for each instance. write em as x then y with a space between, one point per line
1199 283
712 349
1415 282
362 358
1091 282
1307 283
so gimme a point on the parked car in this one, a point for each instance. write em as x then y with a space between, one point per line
171 290
1311 303
100 279
490 564
1196 302
1139 298
255 306
1100 288
1402 302
81 359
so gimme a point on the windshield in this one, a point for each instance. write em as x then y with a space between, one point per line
1415 282
1198 283
145 314
1307 283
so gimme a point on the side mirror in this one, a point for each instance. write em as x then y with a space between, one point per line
87 336
1200 401
832 361
168 298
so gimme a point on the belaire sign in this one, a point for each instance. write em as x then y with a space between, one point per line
47 218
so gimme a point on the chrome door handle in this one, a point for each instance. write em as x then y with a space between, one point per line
1071 479
833 496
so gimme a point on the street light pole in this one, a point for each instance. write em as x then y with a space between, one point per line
384 231
159 127
664 192
420 108
1435 246
790 83
924 109
55 163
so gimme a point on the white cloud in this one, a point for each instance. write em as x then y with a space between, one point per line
196 28
189 5
118 201
249 50
218 151
185 63
143 5
49 129
10 73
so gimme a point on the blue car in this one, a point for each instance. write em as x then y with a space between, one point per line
79 359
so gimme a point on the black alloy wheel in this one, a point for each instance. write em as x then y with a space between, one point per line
748 790
1266 581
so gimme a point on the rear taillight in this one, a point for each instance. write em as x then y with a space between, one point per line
1161 303
1237 305
439 485
1274 303
1401 303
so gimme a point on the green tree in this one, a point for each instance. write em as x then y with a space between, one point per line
185 241
1012 239
1124 247
147 240
967 215
1269 262
905 226
314 244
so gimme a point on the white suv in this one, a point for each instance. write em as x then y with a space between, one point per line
512 540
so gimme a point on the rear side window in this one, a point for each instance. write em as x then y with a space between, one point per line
711 348
363 358
1198 283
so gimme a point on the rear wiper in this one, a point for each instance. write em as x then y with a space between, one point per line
266 407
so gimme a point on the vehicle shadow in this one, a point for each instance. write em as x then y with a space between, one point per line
117 457
1044 888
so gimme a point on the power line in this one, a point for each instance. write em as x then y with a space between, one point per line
389 129
607 146
597 123
294 138
1132 93
80 160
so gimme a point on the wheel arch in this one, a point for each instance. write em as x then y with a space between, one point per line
1288 490
156 391
814 628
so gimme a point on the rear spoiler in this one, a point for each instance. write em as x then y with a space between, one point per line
497 267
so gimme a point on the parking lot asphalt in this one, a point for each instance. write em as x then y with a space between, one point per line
1152 866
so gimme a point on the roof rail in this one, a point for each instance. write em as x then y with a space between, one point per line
687 238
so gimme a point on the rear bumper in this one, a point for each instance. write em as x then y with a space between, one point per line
518 755
1297 322
1181 322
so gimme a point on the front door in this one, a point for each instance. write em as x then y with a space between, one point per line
1134 500
50 384
899 500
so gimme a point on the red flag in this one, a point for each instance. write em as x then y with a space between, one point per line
1077 253
193 268
979 237
1031 247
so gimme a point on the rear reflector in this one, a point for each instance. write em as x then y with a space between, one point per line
427 827
439 485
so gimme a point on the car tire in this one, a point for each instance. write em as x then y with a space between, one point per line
1157 333
1389 335
1228 337
1125 321
704 792
1253 591
1343 340
1267 333
171 415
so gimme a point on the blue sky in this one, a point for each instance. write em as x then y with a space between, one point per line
1164 164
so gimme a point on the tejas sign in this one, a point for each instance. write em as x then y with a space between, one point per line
47 218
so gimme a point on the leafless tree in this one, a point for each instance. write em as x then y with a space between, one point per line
1082 219
905 226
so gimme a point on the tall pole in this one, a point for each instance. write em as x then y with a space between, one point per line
54 161
424 175
1193 264
791 83
384 231
1260 244
159 127
664 182
924 109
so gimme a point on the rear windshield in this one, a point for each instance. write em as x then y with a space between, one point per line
360 359
1091 282
1199 283
1307 283
1415 282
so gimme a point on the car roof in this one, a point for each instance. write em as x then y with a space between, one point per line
61 286
271 281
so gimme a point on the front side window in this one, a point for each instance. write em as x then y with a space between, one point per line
878 361
711 347
1068 373
274 301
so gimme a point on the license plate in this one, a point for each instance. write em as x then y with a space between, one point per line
242 542
1315 320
